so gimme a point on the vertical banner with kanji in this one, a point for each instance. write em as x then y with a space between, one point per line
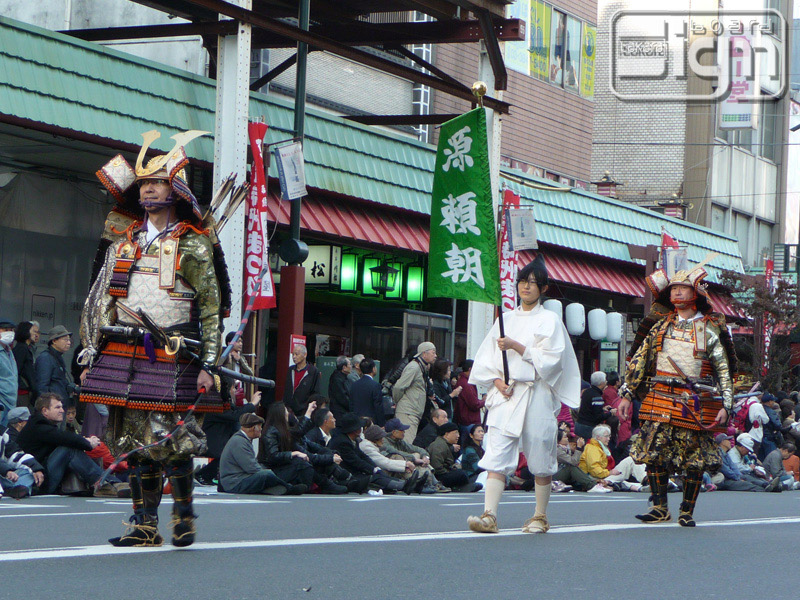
462 262
508 257
256 251
768 324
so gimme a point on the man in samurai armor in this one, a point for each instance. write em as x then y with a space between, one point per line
157 256
682 359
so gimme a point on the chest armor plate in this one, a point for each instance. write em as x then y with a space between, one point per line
167 307
679 343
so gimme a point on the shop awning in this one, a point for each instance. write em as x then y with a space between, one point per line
724 305
368 223
595 274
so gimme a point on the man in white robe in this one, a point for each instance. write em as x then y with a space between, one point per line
543 373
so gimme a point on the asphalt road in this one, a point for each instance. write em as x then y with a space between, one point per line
355 547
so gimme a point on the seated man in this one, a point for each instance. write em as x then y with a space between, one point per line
428 433
392 464
60 450
325 423
730 478
443 460
239 471
16 458
744 457
345 444
568 460
395 443
596 460
773 464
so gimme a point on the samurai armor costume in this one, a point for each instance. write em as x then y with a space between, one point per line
177 276
678 418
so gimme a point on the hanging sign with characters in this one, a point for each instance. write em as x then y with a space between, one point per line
462 262
257 250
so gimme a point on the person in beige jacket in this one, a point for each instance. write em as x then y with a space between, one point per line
410 392
372 445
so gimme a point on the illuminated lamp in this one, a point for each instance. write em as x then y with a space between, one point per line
397 292
383 277
415 283
348 281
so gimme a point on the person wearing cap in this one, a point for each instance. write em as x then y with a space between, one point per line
743 457
240 472
395 443
158 254
443 460
345 442
543 373
51 369
410 392
681 341
9 375
30 473
392 464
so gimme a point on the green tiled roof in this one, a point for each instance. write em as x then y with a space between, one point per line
81 86
65 82
604 226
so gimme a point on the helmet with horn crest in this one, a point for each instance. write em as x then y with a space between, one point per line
660 283
118 177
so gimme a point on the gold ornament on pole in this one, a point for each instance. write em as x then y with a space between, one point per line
479 90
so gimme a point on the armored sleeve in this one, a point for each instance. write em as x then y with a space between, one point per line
98 310
719 360
197 268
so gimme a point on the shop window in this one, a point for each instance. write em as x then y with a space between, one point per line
572 60
558 30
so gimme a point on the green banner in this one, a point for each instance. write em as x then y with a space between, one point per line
463 262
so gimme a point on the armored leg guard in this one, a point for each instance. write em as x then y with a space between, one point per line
181 476
691 488
659 512
146 484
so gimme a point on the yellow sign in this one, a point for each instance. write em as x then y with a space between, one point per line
540 39
588 52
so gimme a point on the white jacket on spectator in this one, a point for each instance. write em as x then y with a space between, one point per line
385 463
758 417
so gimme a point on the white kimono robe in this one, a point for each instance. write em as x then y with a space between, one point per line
542 378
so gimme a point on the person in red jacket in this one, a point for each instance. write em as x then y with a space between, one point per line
468 404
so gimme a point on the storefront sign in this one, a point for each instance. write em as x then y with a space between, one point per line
291 170
540 39
588 51
522 229
517 55
257 250
322 267
462 262
736 111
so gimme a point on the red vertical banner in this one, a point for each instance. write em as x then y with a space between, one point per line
508 258
769 267
257 250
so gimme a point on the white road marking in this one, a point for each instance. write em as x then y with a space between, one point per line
62 514
533 501
26 505
105 550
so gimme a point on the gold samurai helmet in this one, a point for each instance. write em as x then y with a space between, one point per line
660 283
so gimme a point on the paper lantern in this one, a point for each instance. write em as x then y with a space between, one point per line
576 318
598 327
614 327
555 307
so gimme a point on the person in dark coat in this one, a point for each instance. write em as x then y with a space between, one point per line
338 387
366 397
324 424
428 433
443 452
291 457
592 411
444 394
220 427
345 444
26 336
58 450
302 381
51 370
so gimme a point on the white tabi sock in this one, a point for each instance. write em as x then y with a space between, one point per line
493 490
542 498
